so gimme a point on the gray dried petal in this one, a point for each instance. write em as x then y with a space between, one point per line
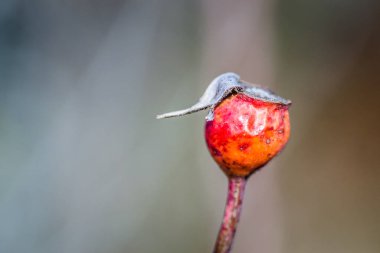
263 94
221 87
218 89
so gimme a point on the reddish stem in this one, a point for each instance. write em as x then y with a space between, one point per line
236 186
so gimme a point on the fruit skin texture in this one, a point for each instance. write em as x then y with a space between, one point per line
246 133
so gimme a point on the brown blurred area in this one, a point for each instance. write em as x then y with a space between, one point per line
86 167
330 187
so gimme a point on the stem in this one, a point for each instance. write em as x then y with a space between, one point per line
236 186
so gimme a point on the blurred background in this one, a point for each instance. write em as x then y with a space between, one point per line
86 167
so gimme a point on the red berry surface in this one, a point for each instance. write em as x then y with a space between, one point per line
246 133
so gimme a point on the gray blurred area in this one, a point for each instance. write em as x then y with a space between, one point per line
85 166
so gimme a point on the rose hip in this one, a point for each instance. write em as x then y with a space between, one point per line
245 128
246 133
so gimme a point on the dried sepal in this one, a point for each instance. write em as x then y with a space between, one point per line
220 88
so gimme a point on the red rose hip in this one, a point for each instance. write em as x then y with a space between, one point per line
245 128
246 133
